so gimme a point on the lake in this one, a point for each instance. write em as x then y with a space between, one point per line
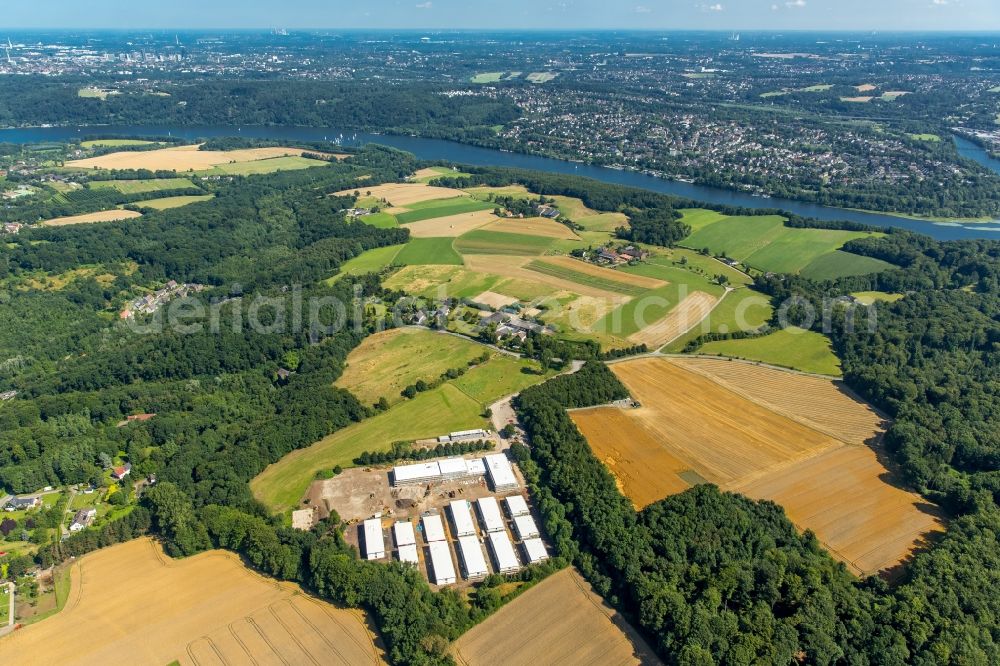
437 149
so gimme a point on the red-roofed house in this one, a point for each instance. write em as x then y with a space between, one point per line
122 472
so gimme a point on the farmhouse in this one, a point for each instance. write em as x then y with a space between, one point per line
441 564
503 553
83 518
516 506
461 518
22 503
489 513
374 539
534 550
433 528
472 558
500 472
525 527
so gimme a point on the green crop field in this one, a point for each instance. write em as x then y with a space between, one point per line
790 348
444 409
739 310
495 242
706 266
142 186
438 172
174 202
429 210
487 77
838 264
371 261
429 251
381 220
871 297
698 218
272 165
586 279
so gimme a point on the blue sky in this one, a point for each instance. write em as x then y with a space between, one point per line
508 14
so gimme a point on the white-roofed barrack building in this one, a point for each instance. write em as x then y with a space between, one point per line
419 473
442 568
433 528
453 468
374 539
525 527
448 469
403 531
516 506
461 518
408 554
500 471
489 514
534 550
472 558
504 556
463 436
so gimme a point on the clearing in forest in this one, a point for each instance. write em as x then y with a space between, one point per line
205 609
115 215
561 616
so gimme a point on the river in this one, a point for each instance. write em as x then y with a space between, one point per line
437 149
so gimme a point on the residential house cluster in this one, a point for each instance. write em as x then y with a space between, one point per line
150 303
12 227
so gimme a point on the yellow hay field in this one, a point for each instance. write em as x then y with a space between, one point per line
451 226
604 273
533 226
115 215
644 471
494 300
685 315
847 498
514 267
561 620
132 601
401 195
823 404
180 158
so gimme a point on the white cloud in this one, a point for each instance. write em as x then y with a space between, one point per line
775 8
715 8
643 10
795 4
425 5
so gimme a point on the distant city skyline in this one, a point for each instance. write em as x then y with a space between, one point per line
854 15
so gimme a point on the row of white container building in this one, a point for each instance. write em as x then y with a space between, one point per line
496 466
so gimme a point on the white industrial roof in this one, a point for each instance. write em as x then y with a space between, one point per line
374 541
453 467
503 552
479 432
525 526
408 554
405 473
489 511
433 528
441 565
535 550
516 505
500 471
404 534
462 518
472 557
476 467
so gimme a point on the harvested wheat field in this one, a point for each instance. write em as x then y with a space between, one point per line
824 404
561 618
494 300
533 226
587 268
847 498
451 226
514 267
115 215
180 158
132 600
682 318
644 471
401 195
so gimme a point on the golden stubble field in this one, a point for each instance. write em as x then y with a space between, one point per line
180 158
115 215
801 441
400 195
559 621
685 315
130 602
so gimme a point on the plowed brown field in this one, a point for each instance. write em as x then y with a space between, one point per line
561 620
131 602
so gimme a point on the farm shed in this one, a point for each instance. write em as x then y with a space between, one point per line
403 532
472 557
408 554
374 539
500 471
461 518
534 550
489 513
503 553
441 565
433 528
516 506
525 527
